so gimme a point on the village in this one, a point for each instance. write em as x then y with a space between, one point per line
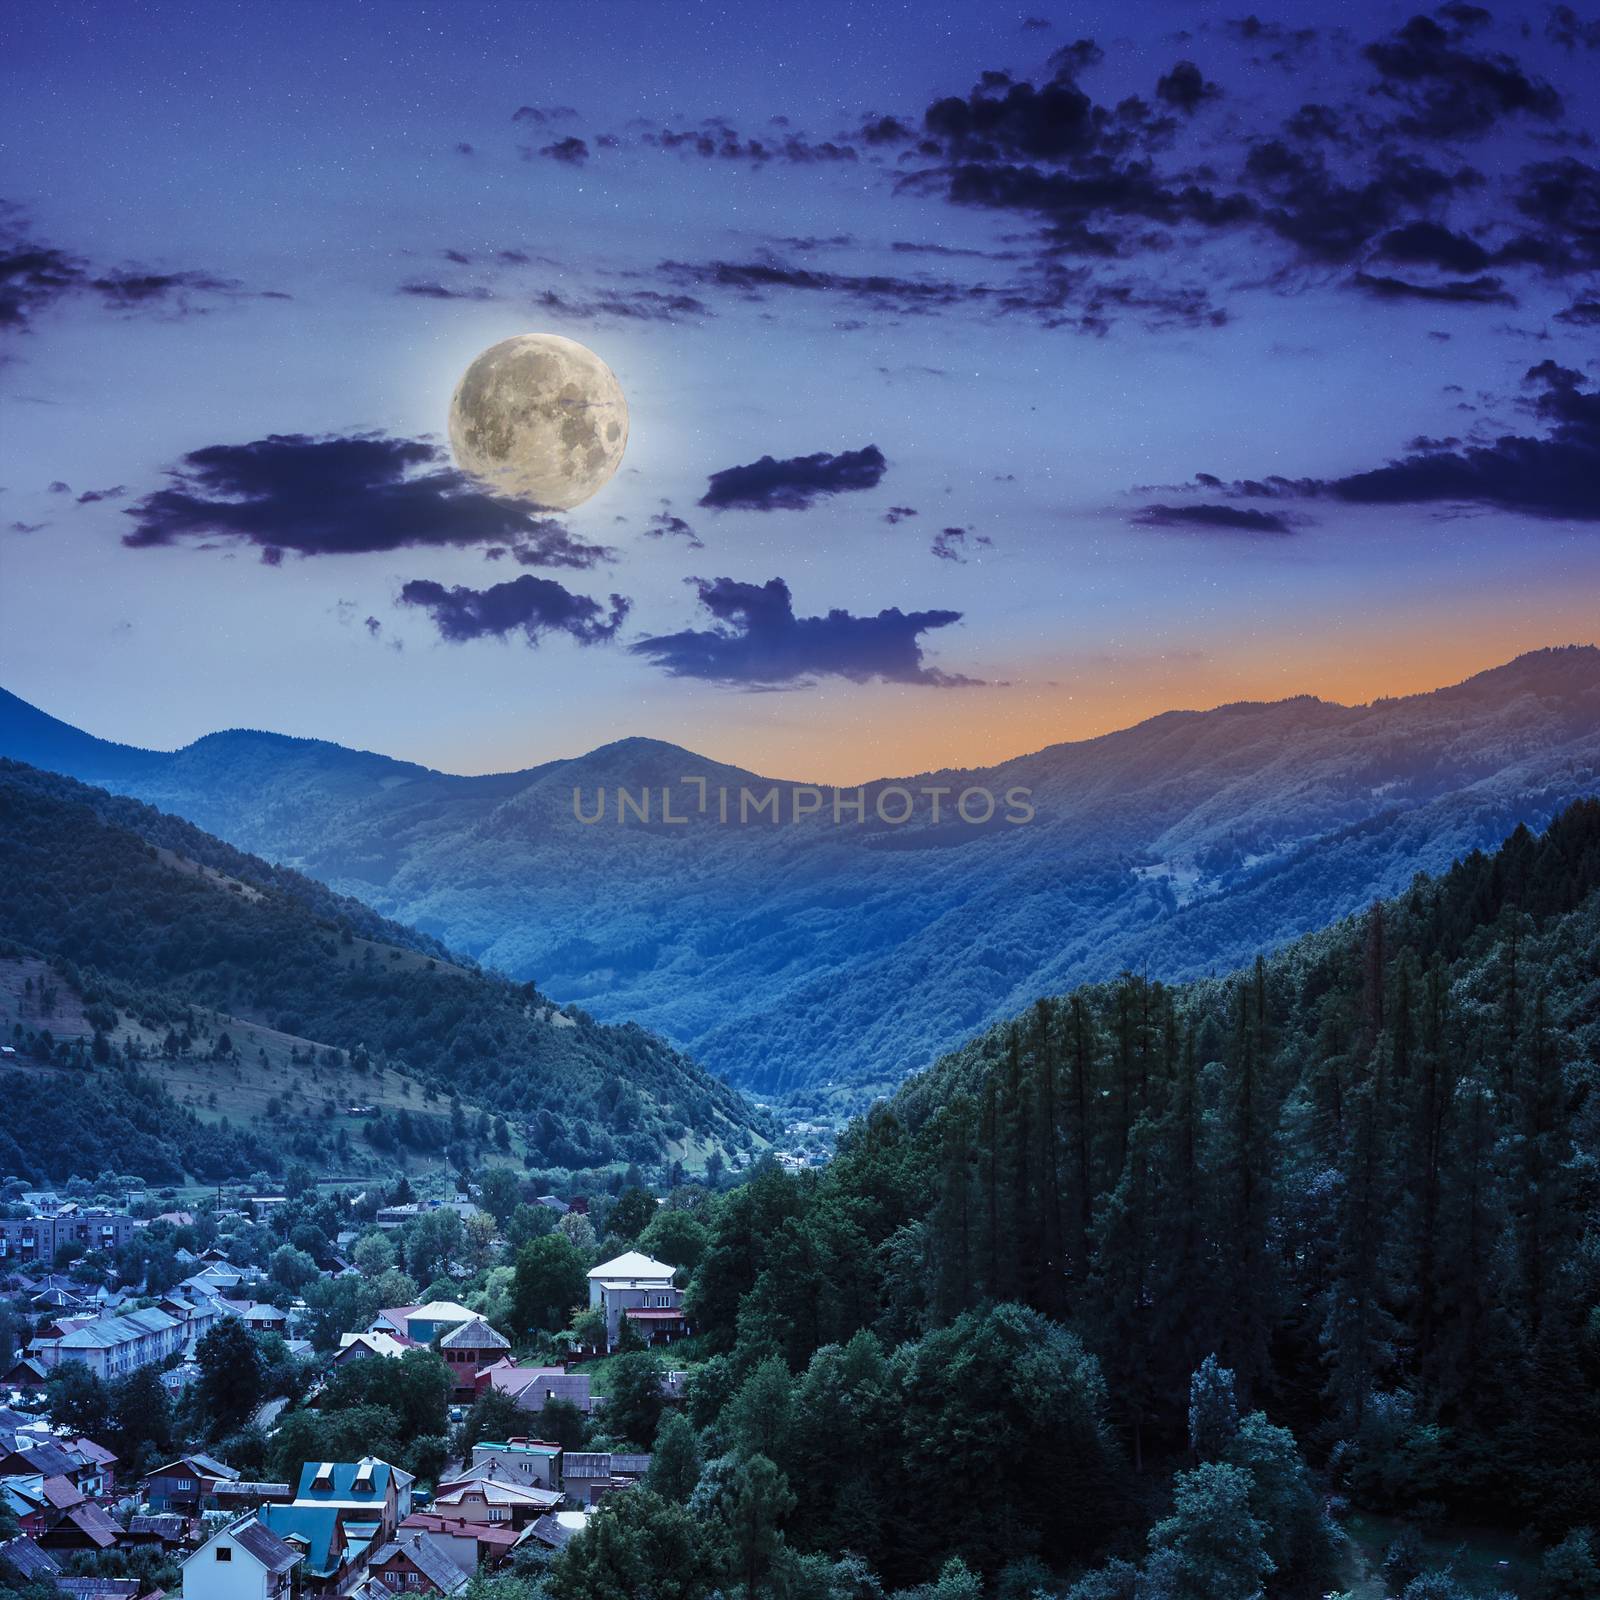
177 1380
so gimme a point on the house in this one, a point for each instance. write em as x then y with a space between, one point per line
183 1484
221 1495
84 1527
426 1323
165 1531
243 1561
469 1348
341 1511
633 1286
112 1347
392 1321
524 1461
25 1373
38 1238
257 1317
555 1528
417 1563
97 1476
471 1544
590 1475
530 1387
490 1499
357 1346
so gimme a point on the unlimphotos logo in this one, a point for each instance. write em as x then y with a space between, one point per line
696 798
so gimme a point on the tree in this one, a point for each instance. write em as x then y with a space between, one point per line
1213 1411
633 1408
230 1382
1569 1570
78 1401
1211 1545
373 1254
753 1514
563 1422
500 1190
141 1419
634 1211
675 1237
675 1463
549 1283
638 1544
756 1420
493 1415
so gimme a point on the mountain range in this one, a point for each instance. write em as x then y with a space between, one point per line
822 959
143 961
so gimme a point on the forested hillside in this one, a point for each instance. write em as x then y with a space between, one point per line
823 961
146 917
1360 1175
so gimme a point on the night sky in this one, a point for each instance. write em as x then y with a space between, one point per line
996 376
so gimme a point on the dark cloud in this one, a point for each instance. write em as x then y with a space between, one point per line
957 544
1553 474
664 525
1556 475
573 151
464 150
1239 519
1185 87
1581 314
795 483
1435 245
718 140
880 291
35 276
1035 24
633 305
898 514
339 495
533 607
28 527
758 642
91 497
1449 91
1482 291
886 130
1331 220
1566 29
539 115
1562 198
58 487
426 289
373 626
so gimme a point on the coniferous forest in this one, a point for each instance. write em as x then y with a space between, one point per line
1141 1285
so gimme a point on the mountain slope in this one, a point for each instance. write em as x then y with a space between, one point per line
153 919
795 957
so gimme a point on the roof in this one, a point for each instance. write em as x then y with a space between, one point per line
653 1314
498 1534
520 1447
275 1554
429 1556
165 1525
315 1524
496 1493
631 1265
554 1528
441 1311
378 1344
253 1491
474 1335
352 1482
105 1333
47 1459
95 1452
604 1464
27 1559
93 1523
62 1493
197 1464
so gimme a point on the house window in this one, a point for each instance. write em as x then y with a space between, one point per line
224 1552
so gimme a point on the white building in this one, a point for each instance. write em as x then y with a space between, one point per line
633 1283
243 1561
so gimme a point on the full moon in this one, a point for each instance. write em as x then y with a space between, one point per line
539 418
